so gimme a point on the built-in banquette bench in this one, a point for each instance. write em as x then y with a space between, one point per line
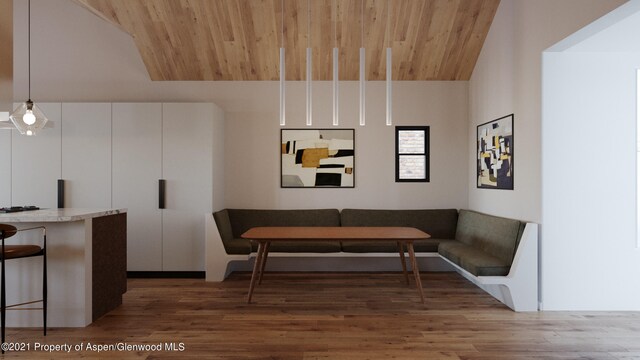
499 255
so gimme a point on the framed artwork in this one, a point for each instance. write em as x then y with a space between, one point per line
495 154
317 158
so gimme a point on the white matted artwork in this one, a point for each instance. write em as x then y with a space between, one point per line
317 158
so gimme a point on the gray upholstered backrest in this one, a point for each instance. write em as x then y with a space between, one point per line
494 235
440 224
224 224
244 219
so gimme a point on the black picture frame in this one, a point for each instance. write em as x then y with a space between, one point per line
425 153
334 169
495 154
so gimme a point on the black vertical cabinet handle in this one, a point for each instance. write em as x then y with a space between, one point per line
60 193
162 187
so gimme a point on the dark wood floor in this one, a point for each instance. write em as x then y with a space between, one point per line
338 316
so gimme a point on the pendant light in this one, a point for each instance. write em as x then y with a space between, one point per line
309 106
28 118
336 73
282 74
362 69
389 67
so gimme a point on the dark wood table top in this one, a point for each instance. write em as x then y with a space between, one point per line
337 233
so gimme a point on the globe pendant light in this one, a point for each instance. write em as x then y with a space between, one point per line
28 118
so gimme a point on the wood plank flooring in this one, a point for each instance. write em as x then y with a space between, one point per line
336 316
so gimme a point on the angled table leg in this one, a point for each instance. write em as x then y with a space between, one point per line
256 269
264 261
416 271
404 262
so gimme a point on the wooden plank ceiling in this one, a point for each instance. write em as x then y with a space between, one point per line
240 39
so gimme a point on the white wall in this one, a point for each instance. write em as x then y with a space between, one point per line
590 258
253 158
5 168
218 159
507 79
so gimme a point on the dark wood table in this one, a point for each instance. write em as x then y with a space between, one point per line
401 235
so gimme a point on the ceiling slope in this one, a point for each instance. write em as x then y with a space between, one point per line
240 39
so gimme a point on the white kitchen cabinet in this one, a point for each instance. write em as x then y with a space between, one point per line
5 168
137 167
112 155
35 162
187 156
171 141
86 154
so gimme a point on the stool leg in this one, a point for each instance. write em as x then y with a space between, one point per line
44 290
3 300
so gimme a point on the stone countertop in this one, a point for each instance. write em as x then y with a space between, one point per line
57 215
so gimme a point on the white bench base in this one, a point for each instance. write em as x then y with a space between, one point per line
519 289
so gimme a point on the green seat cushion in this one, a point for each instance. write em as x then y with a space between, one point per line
304 246
474 260
429 245
370 246
237 247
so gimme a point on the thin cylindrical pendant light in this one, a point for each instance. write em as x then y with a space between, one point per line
282 75
362 70
309 107
389 94
282 93
335 88
389 67
335 68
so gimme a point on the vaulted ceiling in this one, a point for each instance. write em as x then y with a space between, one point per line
240 39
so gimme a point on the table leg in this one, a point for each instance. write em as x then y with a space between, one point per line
256 268
404 262
416 271
264 261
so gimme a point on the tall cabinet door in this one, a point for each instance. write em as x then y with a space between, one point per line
187 167
36 162
5 167
86 154
137 167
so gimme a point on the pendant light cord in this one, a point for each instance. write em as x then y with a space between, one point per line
334 6
29 44
362 22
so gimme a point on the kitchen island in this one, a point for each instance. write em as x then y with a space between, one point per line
86 265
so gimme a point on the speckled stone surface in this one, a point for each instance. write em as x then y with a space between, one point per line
57 215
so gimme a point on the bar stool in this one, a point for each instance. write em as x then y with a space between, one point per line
18 252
